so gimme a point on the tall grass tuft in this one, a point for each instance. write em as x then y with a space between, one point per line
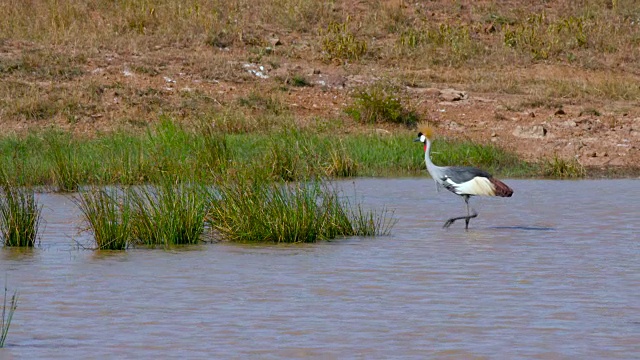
108 215
171 213
19 216
557 167
216 153
257 211
289 156
7 315
66 164
340 163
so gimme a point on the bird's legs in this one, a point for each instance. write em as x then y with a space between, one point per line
466 218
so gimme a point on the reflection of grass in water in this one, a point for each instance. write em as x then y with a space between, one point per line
7 315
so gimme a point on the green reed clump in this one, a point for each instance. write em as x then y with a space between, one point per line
7 315
171 213
19 216
107 213
251 210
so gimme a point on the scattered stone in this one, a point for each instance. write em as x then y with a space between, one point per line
257 70
560 112
493 134
532 114
530 132
452 95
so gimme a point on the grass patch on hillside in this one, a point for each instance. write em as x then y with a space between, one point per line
380 103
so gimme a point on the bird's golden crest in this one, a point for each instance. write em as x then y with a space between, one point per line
426 130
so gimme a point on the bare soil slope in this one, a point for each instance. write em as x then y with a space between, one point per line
455 65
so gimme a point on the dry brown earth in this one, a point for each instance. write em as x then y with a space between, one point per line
130 87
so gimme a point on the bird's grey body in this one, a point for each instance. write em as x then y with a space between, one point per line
465 181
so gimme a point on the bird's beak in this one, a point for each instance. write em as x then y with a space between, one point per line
416 139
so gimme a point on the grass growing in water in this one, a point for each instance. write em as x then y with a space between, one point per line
171 213
108 216
19 216
260 211
7 315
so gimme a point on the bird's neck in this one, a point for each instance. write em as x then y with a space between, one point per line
431 167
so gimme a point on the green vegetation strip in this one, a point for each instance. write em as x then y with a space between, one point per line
172 184
62 162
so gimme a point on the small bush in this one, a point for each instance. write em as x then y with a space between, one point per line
380 103
298 81
557 167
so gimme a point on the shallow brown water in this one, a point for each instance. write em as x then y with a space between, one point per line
552 273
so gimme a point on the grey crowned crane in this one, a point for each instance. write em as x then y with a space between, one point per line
465 181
